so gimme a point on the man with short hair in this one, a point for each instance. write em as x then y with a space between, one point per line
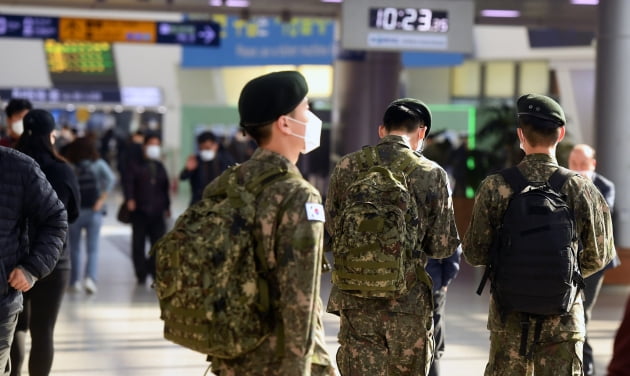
289 228
209 162
582 160
33 226
558 350
15 110
394 336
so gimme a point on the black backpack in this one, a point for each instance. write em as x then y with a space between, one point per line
88 184
534 266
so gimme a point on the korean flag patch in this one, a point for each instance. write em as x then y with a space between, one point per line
315 212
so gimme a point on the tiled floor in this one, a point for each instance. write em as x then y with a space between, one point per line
117 332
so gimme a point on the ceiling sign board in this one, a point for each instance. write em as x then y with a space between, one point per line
408 25
189 33
97 30
28 26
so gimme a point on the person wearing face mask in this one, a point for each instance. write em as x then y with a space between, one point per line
391 335
15 111
582 160
201 168
147 197
289 228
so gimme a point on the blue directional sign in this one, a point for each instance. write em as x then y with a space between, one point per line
29 27
189 33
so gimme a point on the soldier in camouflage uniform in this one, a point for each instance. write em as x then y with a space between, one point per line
395 336
274 111
559 350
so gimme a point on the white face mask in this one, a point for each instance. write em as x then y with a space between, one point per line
312 133
153 152
207 155
18 127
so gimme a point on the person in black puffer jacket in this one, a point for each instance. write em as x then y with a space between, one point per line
42 303
25 196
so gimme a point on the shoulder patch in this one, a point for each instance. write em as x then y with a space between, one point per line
315 212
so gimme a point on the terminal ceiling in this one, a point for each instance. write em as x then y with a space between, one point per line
560 14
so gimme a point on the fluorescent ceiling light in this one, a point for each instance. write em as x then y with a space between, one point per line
237 3
332 1
585 2
504 13
229 3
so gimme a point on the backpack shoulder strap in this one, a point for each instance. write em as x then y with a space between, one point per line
514 177
559 177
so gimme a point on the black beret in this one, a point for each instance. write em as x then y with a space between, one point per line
267 97
38 121
416 106
542 107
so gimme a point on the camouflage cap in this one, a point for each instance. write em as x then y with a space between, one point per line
542 107
414 105
267 97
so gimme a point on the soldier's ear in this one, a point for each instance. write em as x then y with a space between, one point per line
382 131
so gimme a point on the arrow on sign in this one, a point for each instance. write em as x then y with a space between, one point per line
207 35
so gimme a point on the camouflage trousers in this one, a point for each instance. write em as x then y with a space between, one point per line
382 343
270 369
551 358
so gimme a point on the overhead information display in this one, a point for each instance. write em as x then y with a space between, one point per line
28 26
196 33
94 30
407 25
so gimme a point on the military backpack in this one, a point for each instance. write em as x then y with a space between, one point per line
534 267
212 275
376 229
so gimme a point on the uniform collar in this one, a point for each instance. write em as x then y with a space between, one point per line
540 157
270 157
395 139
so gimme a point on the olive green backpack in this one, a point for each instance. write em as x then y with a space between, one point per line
376 229
211 273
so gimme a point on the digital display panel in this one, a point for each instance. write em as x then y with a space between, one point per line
28 26
189 33
409 19
72 63
407 25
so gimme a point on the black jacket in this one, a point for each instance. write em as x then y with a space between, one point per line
147 183
205 173
27 196
64 181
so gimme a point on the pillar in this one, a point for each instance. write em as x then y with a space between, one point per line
612 101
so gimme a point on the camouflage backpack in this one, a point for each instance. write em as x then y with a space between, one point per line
211 273
376 229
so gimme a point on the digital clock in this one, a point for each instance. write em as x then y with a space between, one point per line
409 19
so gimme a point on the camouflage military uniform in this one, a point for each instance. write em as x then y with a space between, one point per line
562 336
294 245
394 337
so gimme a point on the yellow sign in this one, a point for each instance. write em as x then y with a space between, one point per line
95 30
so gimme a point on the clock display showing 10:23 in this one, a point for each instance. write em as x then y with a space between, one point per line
409 19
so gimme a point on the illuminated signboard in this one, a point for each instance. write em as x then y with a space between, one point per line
189 33
28 26
198 33
407 25
95 30
71 63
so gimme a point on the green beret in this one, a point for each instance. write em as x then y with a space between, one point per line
38 121
267 97
414 105
542 107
